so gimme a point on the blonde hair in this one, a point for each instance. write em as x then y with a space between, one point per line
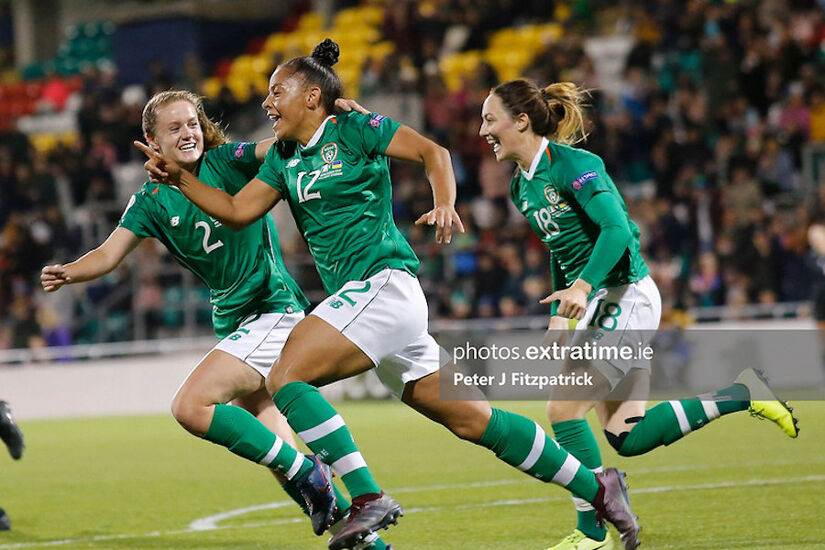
556 112
213 135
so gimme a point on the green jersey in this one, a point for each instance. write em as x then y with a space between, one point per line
243 269
338 188
552 196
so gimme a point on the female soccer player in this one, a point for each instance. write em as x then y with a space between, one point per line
599 278
333 172
255 301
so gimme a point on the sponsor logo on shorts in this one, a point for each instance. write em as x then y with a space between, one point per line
329 152
376 119
240 149
584 178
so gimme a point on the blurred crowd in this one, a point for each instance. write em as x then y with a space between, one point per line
705 130
706 136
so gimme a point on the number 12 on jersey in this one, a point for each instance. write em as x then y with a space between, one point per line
304 194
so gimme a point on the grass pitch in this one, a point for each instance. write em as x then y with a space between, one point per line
142 482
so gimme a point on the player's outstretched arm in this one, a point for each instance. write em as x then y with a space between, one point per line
235 212
93 264
409 145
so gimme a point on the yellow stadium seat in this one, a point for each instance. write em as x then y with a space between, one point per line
240 88
242 66
261 85
262 64
275 43
382 49
311 21
43 143
211 87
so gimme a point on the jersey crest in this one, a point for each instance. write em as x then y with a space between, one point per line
551 194
329 152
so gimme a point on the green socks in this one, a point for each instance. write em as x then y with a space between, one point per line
672 420
522 443
578 439
240 432
324 431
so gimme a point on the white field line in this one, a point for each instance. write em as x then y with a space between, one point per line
210 523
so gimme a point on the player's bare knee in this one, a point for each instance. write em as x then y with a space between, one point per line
561 411
274 382
468 429
190 415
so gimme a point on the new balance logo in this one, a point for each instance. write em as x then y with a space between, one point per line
293 163
174 222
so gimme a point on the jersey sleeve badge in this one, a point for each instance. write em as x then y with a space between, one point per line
239 150
584 178
376 119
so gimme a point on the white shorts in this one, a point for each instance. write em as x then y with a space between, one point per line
386 316
619 310
260 338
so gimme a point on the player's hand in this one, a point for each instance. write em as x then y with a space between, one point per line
443 217
572 301
161 169
52 277
345 105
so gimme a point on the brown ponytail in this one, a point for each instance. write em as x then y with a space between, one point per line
213 135
555 112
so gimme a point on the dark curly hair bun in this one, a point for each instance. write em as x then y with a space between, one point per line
326 53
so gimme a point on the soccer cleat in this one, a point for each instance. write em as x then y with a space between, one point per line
368 513
316 488
579 541
5 522
611 503
9 432
765 403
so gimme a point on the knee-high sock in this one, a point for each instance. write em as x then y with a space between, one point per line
670 421
323 430
243 434
522 443
577 437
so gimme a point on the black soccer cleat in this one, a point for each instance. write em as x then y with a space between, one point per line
9 432
5 522
367 514
612 503
316 488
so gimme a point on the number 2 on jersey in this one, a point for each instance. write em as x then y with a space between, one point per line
207 232
304 194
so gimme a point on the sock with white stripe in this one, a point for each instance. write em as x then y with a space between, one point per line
578 439
320 426
522 443
670 421
243 434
